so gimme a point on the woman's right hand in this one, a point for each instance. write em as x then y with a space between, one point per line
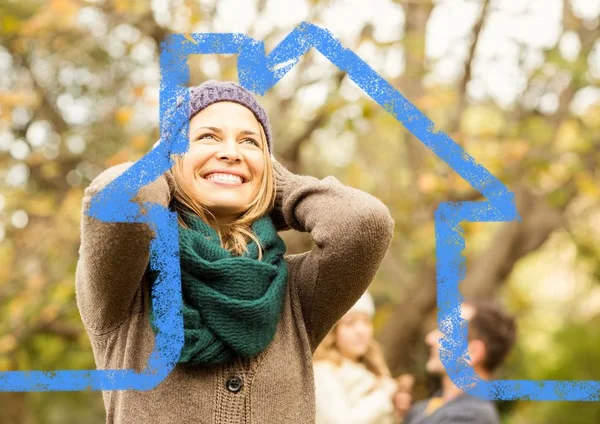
168 174
402 398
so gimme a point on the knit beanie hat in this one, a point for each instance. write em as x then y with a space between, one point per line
364 304
212 91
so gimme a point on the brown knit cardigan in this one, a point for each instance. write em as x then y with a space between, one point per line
351 230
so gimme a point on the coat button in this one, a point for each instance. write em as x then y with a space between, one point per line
234 384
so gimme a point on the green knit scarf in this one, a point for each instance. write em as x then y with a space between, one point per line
231 304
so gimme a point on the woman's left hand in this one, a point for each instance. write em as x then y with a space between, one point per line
282 177
402 398
402 402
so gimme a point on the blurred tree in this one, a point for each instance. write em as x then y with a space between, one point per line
79 85
542 211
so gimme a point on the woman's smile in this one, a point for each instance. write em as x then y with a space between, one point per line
225 178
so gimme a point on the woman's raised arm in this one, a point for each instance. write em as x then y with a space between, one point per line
113 256
352 231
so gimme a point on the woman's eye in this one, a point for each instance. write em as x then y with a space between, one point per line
207 137
251 141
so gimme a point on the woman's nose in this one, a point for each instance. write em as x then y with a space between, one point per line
364 330
229 152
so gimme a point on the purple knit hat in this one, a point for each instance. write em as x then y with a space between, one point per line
213 91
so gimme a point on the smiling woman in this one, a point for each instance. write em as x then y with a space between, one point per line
251 316
226 177
353 382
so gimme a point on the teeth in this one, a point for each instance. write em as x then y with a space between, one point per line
226 178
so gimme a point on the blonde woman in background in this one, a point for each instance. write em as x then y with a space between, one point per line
352 381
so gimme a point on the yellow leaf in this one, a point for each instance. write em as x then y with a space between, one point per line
427 182
384 312
7 260
586 185
459 184
71 205
10 24
190 38
7 343
58 14
64 292
36 281
50 170
139 142
37 24
49 313
5 364
138 91
36 159
591 118
568 138
123 115
482 121
41 206
131 7
16 307
517 150
19 98
117 158
63 7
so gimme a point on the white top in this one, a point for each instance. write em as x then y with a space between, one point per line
351 394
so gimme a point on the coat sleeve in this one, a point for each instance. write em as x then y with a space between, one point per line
113 256
351 230
333 405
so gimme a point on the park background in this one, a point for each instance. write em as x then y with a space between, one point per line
515 83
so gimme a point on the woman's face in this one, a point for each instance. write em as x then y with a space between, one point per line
225 162
353 335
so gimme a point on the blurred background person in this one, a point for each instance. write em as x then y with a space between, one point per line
492 334
353 383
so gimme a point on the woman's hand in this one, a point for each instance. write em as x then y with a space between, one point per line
402 403
168 174
402 398
282 177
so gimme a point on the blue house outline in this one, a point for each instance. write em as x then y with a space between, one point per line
259 72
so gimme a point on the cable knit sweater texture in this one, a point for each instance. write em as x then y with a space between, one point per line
351 230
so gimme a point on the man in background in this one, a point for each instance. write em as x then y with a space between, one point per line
492 334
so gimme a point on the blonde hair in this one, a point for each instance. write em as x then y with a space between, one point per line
235 235
373 359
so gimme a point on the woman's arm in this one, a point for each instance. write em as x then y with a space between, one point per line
113 256
352 231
